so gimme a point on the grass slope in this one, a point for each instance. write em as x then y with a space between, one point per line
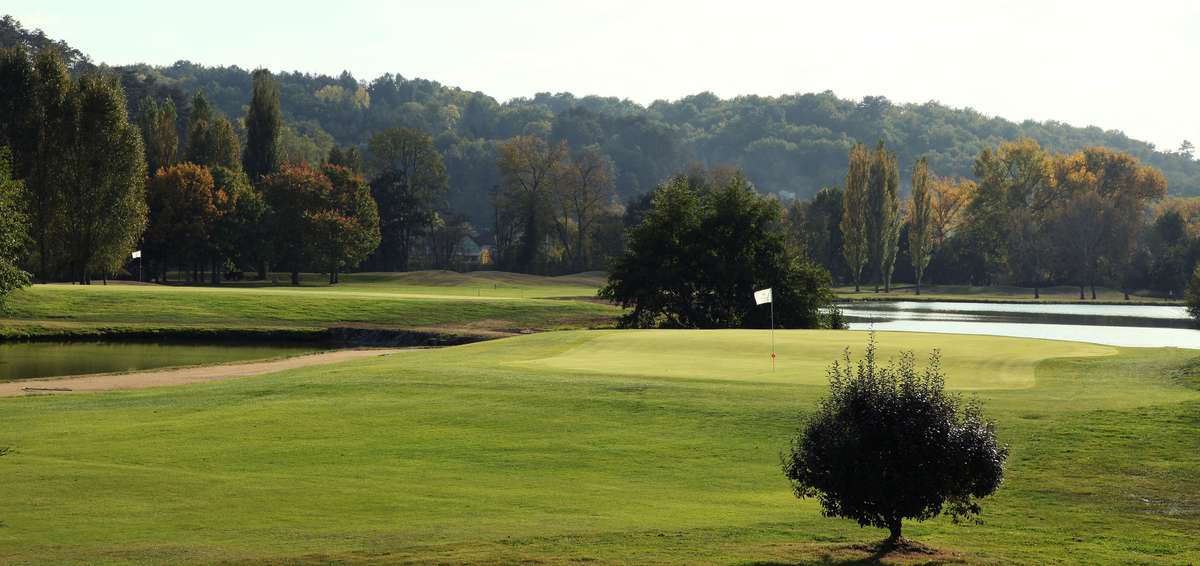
538 449
422 300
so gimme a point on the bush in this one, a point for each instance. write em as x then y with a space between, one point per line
889 444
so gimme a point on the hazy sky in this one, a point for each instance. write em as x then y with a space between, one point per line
1132 66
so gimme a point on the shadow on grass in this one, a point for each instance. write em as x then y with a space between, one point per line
906 552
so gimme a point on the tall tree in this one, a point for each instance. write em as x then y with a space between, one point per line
13 229
161 140
1025 171
264 124
949 204
920 228
530 168
585 188
345 229
104 202
291 193
854 214
818 230
211 139
242 235
409 183
320 218
1105 195
55 115
883 215
19 124
184 211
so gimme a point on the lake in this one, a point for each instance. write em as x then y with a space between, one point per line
25 360
1116 325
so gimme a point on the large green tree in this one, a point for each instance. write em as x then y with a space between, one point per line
345 230
13 227
531 170
264 125
103 187
323 219
409 183
856 246
889 444
184 213
161 140
211 139
883 215
920 229
700 253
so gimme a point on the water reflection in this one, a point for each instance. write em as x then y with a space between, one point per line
1117 325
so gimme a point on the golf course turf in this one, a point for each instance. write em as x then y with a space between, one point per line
437 301
589 446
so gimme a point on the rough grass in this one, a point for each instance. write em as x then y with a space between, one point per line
532 449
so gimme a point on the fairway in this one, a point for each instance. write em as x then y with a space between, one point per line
432 301
544 448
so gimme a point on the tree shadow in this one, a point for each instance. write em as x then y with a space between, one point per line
908 553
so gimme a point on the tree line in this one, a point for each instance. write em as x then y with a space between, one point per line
790 145
90 184
1029 218
206 197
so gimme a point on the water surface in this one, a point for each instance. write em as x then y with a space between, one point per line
25 360
1116 325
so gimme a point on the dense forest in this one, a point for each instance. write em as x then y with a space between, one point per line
790 145
215 172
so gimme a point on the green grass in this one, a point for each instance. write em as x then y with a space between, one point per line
443 283
587 446
999 293
421 300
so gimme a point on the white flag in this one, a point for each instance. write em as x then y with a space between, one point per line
761 297
137 254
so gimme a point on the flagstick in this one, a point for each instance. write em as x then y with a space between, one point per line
772 334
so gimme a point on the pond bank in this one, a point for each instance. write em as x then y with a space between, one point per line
328 337
178 376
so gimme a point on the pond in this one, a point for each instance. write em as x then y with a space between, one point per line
26 360
1116 325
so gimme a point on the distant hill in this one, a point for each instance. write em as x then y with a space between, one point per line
791 145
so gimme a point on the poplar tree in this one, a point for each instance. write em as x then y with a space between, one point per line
55 114
854 213
883 215
263 126
157 122
104 201
920 228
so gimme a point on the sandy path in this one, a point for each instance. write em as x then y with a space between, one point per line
178 376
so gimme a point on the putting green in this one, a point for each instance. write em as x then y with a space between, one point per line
978 362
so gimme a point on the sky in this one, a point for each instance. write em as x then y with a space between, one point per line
1129 66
